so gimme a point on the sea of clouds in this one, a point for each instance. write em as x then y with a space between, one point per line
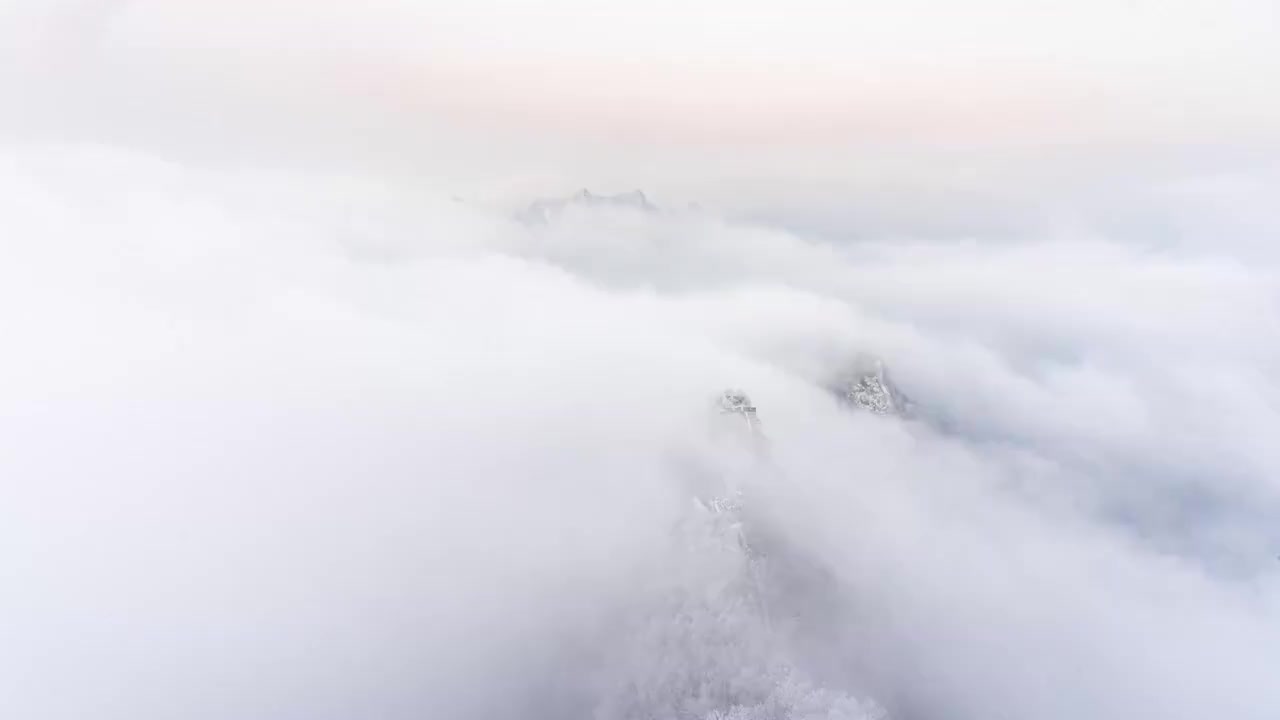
289 446
295 440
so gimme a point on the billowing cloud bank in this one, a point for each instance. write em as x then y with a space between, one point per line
289 446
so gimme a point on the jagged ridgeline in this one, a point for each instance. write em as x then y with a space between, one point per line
541 212
866 385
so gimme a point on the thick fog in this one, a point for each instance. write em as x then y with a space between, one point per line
302 418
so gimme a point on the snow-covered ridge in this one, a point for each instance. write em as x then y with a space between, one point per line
724 618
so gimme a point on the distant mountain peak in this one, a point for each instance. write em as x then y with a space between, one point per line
545 210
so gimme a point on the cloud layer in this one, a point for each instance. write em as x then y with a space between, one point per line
292 446
299 421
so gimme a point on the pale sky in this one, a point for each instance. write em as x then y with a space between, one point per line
562 62
577 92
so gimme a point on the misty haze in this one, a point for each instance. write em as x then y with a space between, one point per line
415 360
